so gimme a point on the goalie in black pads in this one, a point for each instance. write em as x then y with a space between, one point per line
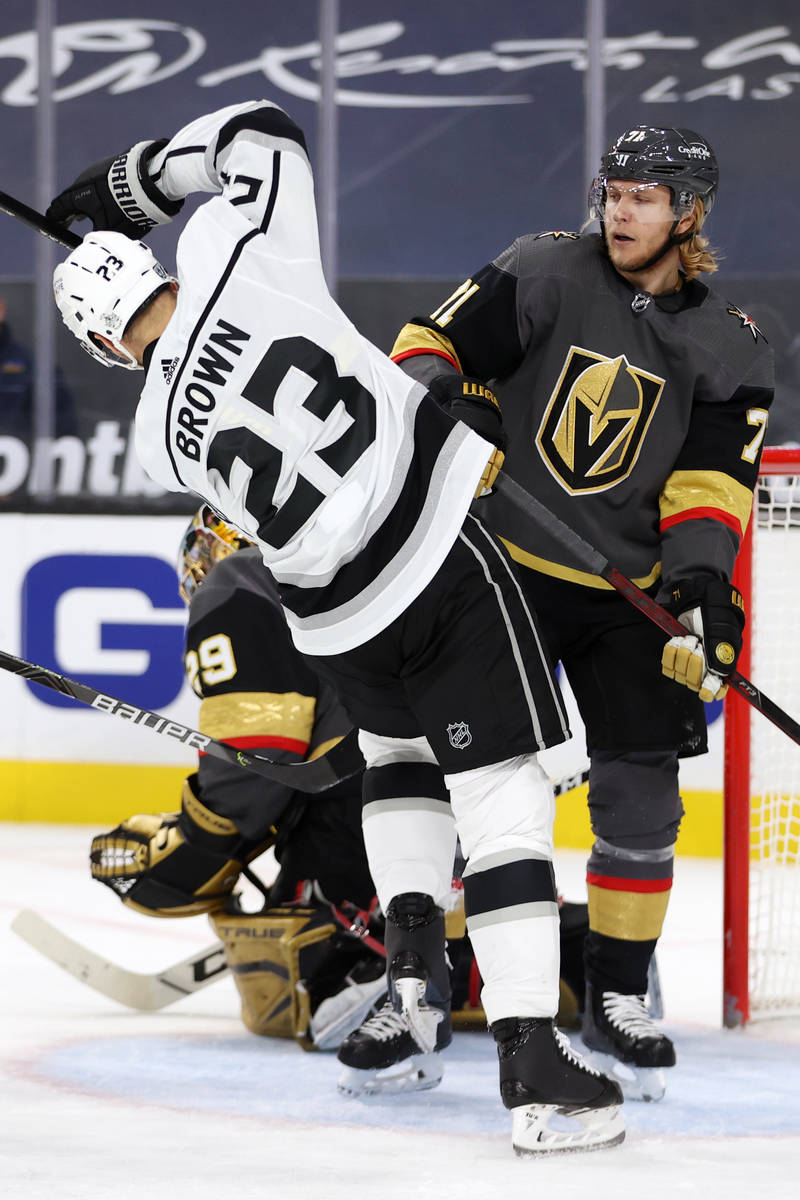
355 484
636 402
299 972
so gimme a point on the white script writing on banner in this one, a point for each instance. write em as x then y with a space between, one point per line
150 51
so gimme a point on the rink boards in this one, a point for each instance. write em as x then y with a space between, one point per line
95 598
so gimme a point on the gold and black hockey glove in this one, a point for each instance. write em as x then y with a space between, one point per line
173 864
471 401
713 613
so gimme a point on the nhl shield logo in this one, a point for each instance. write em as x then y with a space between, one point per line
459 735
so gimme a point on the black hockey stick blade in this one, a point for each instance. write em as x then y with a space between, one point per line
36 220
594 562
314 775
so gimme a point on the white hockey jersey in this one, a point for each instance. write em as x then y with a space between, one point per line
263 398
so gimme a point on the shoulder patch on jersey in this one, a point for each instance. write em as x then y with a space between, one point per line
556 234
746 322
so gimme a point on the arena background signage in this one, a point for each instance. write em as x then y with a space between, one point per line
456 135
95 598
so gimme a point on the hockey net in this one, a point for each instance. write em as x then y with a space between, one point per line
762 765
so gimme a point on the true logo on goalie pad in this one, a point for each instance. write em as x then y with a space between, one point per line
271 955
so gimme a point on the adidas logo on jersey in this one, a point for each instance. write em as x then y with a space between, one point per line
168 366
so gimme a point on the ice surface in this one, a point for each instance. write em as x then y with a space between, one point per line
98 1101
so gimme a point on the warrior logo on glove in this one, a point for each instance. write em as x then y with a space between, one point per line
471 401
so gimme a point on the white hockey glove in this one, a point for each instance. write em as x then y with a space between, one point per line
471 401
118 194
713 613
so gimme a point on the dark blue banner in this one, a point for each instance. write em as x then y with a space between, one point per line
461 124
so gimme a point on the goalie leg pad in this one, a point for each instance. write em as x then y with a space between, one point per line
273 955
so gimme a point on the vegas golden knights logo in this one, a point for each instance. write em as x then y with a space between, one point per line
596 420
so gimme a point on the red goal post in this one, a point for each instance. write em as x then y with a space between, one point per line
761 955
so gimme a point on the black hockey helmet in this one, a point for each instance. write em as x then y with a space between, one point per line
680 159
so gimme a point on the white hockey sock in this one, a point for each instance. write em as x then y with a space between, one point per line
409 831
504 814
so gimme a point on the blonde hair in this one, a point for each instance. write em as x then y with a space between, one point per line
697 255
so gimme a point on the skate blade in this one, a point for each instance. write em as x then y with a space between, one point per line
416 1074
554 1129
637 1083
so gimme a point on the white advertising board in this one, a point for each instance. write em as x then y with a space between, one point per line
94 598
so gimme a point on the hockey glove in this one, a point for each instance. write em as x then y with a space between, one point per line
173 864
118 194
468 400
713 613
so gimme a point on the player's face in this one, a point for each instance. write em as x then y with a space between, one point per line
638 218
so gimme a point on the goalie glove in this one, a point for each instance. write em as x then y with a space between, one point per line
173 864
471 401
713 613
118 194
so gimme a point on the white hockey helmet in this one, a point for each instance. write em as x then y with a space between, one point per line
102 286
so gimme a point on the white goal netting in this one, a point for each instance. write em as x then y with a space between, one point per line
773 950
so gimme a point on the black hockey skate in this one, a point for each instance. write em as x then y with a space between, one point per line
623 1040
558 1102
384 1054
398 1049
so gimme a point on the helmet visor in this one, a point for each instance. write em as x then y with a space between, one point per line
646 202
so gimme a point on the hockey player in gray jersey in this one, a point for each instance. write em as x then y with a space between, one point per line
356 484
635 401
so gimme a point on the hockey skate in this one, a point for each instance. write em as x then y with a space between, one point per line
622 1039
398 1049
385 1056
558 1103
340 1014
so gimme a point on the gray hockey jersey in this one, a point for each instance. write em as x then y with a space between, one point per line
636 419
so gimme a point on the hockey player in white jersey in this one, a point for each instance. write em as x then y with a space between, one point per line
355 482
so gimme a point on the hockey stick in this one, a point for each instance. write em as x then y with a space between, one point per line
594 562
29 216
135 990
314 775
140 990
